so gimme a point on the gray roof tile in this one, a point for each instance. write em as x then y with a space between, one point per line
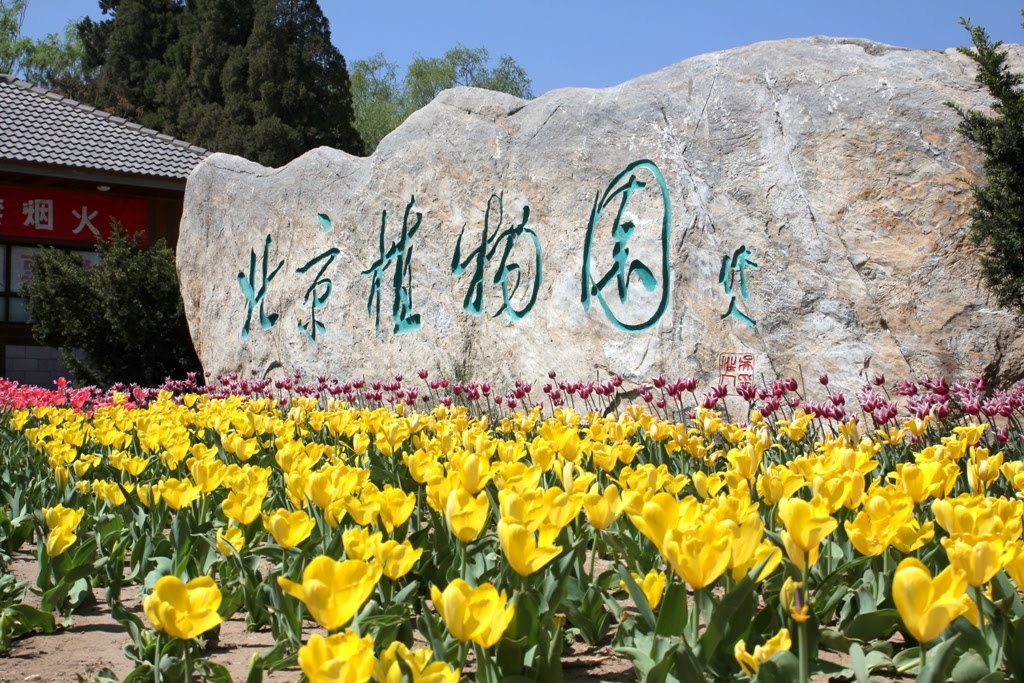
41 126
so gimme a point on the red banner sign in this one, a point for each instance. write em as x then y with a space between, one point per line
46 214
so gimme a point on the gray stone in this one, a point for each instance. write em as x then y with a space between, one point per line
833 161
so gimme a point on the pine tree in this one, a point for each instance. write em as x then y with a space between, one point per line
257 78
127 56
997 218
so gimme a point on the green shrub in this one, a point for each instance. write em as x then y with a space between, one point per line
125 313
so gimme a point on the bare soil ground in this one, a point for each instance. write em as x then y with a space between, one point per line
94 642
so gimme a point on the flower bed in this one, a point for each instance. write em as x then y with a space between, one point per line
510 525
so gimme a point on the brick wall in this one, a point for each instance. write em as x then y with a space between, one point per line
38 365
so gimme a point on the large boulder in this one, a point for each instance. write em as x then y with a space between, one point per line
801 203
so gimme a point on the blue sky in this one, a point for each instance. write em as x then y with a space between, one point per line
564 43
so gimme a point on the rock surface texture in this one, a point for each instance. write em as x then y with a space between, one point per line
813 192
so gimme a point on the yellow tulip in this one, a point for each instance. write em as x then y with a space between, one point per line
178 493
230 537
766 552
928 605
396 559
466 515
60 516
522 550
396 506
700 554
389 670
807 525
333 591
109 492
359 543
207 472
473 614
183 610
242 507
750 663
289 528
925 480
602 508
60 539
977 558
341 658
1013 563
652 584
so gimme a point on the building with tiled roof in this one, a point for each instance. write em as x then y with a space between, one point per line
67 171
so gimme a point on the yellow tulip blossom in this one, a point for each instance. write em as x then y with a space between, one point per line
766 552
522 550
807 524
928 605
364 509
333 591
1013 563
419 663
980 515
778 482
60 516
794 600
396 506
887 518
473 470
396 559
178 493
1014 473
340 658
977 558
422 465
751 662
652 584
466 515
183 610
60 539
970 434
700 554
230 537
602 509
982 468
526 507
109 492
289 528
795 429
925 480
242 507
478 614
360 543
207 472
562 507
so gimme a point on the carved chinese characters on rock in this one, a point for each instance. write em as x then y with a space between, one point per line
509 275
625 246
633 284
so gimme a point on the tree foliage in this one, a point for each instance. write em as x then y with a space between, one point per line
381 102
54 61
997 217
125 313
257 78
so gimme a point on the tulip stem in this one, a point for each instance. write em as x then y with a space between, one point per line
187 644
156 660
924 659
802 629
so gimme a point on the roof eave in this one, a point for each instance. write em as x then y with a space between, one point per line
93 175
